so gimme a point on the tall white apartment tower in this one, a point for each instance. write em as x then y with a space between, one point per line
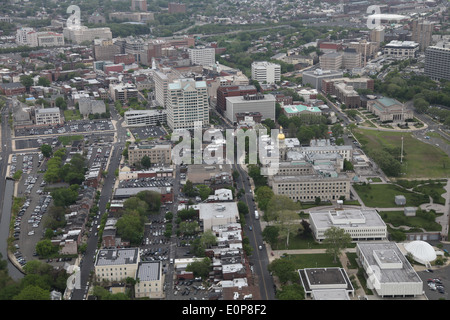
187 104
266 72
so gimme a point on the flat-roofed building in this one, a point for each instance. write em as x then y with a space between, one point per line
326 283
116 264
314 78
187 104
150 282
158 153
217 214
262 103
401 49
48 116
84 33
137 118
307 188
362 225
389 274
437 61
266 72
232 91
203 56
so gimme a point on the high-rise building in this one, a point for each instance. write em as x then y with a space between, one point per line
331 61
421 33
104 49
187 104
437 61
266 72
138 5
202 56
262 103
162 78
377 35
177 8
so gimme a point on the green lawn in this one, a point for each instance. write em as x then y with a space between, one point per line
313 260
66 140
72 115
421 160
398 218
383 195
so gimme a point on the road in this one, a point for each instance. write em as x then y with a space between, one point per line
259 259
87 262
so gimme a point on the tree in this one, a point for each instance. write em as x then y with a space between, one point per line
336 239
145 162
200 268
284 269
44 248
263 196
242 207
27 81
33 293
291 292
44 82
46 150
270 234
130 227
61 103
276 204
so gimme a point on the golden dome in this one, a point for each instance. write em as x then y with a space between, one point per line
281 134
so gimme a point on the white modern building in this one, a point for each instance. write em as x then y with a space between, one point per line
437 61
218 213
262 103
401 49
203 56
137 118
30 37
162 78
362 225
387 271
187 104
266 72
84 33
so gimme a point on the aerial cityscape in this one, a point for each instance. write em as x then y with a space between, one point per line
224 150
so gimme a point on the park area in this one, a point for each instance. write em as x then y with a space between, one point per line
420 160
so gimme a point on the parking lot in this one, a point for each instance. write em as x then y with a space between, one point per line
147 132
28 223
71 127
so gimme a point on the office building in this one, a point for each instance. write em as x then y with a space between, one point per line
138 118
176 8
30 37
48 116
187 104
361 225
401 49
150 282
314 78
84 33
437 61
202 56
158 153
162 78
262 103
377 34
388 273
232 91
116 265
105 50
89 106
266 72
421 32
123 91
138 5
331 61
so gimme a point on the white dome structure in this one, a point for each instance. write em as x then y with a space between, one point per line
421 251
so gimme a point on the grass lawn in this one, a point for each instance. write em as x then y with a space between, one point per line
421 160
313 260
72 115
375 179
383 195
398 218
66 140
305 242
